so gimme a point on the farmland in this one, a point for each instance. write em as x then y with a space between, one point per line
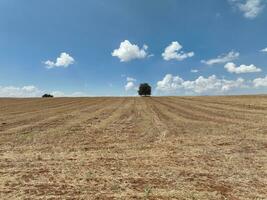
134 148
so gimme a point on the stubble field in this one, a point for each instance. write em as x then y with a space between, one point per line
134 148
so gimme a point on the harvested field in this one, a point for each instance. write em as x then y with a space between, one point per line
134 148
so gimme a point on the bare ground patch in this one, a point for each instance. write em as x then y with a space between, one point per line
134 148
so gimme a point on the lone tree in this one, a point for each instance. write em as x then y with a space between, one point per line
47 96
144 89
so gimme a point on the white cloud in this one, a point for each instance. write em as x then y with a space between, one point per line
250 8
74 94
33 91
232 55
260 82
170 83
128 79
129 86
173 52
127 52
78 94
212 84
264 50
58 94
194 71
232 68
25 91
64 60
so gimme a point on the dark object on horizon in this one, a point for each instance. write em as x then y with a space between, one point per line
144 89
47 96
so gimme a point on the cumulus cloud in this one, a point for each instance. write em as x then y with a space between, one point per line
264 50
128 51
173 84
25 91
260 82
170 83
173 52
250 8
130 84
64 60
232 68
232 55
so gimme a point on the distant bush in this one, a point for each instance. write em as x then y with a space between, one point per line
47 96
144 89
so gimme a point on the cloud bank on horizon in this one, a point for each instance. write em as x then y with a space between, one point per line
205 86
200 55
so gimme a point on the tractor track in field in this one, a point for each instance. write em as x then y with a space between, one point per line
41 118
209 113
29 118
191 113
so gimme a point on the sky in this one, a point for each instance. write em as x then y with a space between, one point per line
107 48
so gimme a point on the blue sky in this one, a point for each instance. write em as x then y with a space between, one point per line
106 47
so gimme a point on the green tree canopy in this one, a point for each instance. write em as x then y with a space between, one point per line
47 96
144 89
